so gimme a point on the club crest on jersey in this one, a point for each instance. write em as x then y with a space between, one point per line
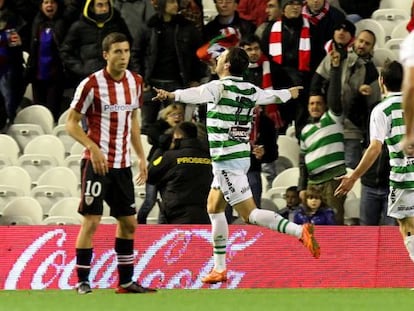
88 199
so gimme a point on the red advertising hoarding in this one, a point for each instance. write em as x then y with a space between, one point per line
43 257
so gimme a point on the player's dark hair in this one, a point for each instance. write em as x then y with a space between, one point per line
113 37
392 76
239 61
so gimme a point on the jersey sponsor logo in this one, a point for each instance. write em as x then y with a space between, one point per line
118 108
193 160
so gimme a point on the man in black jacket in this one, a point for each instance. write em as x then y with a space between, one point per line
183 176
81 51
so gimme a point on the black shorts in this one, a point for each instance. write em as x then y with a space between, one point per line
116 188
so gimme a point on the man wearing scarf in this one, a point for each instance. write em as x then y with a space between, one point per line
322 18
287 43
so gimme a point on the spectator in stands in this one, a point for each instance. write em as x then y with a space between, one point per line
360 92
287 42
273 13
193 11
27 10
81 50
265 132
11 62
314 210
252 10
167 56
323 18
184 198
292 203
357 9
45 68
322 155
342 39
160 137
73 10
136 14
227 17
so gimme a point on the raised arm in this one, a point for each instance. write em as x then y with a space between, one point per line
334 88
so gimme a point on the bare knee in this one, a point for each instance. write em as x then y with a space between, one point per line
126 227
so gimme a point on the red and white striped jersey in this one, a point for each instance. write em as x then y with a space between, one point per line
107 105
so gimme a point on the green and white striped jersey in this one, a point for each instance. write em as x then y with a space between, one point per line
323 143
387 125
230 103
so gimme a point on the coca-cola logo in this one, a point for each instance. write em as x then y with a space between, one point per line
177 258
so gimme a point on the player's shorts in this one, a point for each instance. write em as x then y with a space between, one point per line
233 183
401 203
116 188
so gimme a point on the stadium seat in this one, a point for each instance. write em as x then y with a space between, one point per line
60 132
382 55
268 204
63 117
394 46
400 31
352 211
24 133
375 27
291 132
60 176
73 162
47 144
67 207
36 114
54 185
276 192
289 149
61 220
14 182
287 178
16 176
77 148
396 4
389 18
22 210
9 151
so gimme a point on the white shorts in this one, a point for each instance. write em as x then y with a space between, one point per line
401 203
233 183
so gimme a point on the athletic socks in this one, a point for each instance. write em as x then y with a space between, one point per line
275 222
83 263
220 234
125 255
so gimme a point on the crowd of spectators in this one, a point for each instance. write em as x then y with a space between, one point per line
297 39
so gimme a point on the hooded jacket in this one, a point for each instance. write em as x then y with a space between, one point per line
81 51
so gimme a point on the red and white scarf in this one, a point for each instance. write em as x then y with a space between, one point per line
314 19
272 111
275 44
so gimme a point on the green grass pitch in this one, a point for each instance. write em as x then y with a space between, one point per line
211 300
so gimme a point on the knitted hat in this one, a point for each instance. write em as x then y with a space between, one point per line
283 3
346 25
